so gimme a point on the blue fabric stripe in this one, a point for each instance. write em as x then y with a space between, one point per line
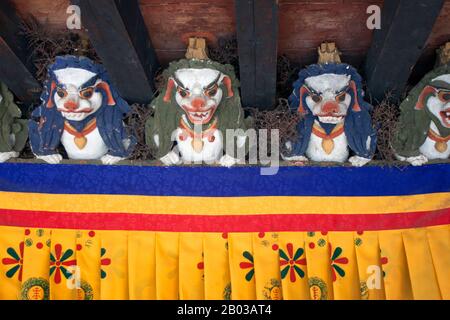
223 182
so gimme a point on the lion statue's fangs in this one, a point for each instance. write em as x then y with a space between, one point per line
82 111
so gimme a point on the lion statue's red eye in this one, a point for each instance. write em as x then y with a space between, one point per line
61 93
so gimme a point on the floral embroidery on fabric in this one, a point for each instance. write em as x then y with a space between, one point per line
336 260
290 262
248 265
104 262
16 261
59 262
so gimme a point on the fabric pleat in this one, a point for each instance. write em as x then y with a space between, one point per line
191 267
167 257
141 265
293 266
216 266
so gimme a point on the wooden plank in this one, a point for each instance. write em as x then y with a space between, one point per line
396 47
118 34
257 34
15 69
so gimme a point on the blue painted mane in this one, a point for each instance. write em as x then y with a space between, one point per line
358 124
45 133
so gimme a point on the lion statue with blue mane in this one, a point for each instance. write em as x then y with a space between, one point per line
424 129
82 111
336 124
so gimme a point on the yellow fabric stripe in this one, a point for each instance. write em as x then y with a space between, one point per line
223 205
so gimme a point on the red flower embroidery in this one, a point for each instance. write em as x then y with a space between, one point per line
104 262
291 261
335 260
59 261
16 261
248 265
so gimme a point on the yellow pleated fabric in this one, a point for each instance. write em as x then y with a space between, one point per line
55 264
293 266
395 267
167 257
242 267
11 266
216 266
114 265
420 264
89 261
36 265
191 266
344 267
369 265
63 265
319 271
439 240
267 272
141 265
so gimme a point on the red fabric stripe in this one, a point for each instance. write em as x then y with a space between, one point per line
238 223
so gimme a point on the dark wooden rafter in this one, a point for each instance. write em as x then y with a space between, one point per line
16 70
396 47
117 31
257 34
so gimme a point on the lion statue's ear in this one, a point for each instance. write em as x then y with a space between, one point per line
226 80
426 92
50 103
301 108
356 107
169 88
106 88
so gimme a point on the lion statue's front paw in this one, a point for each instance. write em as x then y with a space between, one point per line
171 159
109 159
357 161
228 161
5 156
418 160
51 158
